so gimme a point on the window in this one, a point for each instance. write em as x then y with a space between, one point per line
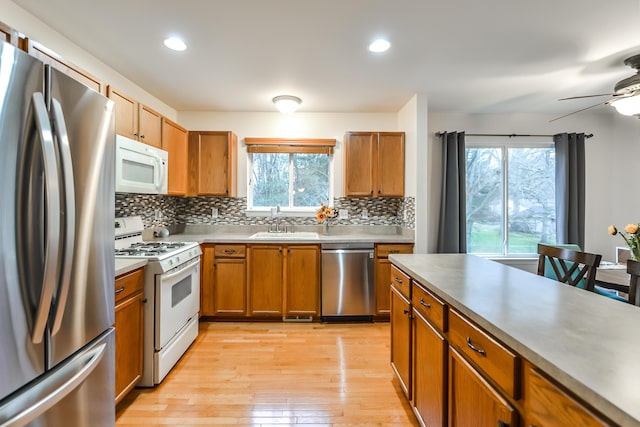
510 198
290 180
294 174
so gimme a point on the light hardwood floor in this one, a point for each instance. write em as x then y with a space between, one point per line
264 374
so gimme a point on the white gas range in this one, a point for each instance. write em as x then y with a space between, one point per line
172 292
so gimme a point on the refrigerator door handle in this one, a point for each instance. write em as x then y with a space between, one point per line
60 130
40 118
43 395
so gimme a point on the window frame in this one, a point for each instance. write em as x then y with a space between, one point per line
504 183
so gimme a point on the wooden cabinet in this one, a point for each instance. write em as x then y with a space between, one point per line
37 50
8 34
472 400
382 273
429 359
401 338
129 315
302 284
224 285
135 120
374 164
175 142
212 163
549 405
284 280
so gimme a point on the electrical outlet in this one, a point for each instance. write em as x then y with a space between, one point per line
158 214
343 214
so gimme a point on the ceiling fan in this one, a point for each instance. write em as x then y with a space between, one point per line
626 95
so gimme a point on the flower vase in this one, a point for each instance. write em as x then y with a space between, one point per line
325 227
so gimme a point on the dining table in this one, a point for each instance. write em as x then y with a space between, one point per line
614 276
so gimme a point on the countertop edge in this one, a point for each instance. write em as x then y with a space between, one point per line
126 265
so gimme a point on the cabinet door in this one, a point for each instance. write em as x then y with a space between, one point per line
302 294
230 288
149 126
390 165
383 286
401 339
8 34
129 317
359 163
429 373
175 142
265 280
206 281
472 400
126 113
211 157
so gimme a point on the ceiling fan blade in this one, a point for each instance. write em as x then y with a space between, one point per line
587 96
581 110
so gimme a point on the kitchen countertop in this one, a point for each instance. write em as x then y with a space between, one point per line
586 342
125 265
242 234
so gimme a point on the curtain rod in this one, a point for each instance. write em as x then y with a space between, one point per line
510 135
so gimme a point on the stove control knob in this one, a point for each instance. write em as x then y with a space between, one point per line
177 259
170 262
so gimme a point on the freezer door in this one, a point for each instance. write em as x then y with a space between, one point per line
83 126
78 392
20 299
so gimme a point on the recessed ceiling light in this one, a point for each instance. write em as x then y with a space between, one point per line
379 45
175 43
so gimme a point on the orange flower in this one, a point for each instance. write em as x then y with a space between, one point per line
321 216
631 228
613 230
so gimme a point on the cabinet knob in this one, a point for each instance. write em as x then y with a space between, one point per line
135 134
142 136
144 300
379 191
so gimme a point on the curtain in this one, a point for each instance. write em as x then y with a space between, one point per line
452 231
570 187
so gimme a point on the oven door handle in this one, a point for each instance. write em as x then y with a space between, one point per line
187 268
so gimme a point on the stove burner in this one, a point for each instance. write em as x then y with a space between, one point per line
150 249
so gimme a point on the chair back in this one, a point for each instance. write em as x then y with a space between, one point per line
569 266
633 268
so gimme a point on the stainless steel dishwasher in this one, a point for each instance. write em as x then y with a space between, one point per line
347 281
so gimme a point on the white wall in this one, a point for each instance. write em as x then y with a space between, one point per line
612 156
298 125
27 24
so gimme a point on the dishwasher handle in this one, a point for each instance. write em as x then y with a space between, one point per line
348 251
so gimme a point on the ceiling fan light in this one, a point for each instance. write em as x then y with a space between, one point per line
628 106
287 104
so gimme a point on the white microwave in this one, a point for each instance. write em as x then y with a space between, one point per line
140 168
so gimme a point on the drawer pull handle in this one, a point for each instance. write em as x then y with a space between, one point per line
480 351
424 303
229 251
394 251
119 290
398 280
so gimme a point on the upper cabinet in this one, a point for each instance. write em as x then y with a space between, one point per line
135 120
8 34
374 164
49 57
175 140
212 163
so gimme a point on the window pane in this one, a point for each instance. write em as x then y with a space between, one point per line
484 201
270 179
311 179
532 211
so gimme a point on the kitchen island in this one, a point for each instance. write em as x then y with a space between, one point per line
586 344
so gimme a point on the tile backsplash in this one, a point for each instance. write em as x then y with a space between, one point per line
165 211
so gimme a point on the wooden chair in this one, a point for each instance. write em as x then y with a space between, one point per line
568 266
633 268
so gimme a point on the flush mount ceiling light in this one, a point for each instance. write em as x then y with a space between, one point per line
628 106
175 43
379 46
287 104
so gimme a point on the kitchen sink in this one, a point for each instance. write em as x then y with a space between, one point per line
299 235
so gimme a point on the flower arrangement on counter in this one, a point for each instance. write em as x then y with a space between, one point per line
631 236
325 213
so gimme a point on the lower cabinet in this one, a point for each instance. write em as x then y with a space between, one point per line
401 338
382 268
302 287
129 315
224 284
265 280
472 400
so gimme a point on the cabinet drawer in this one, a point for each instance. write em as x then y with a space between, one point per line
383 250
230 251
434 310
129 284
401 281
496 361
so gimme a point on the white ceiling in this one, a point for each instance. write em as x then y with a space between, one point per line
465 55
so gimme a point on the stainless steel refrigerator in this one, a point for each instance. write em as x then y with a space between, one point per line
57 355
